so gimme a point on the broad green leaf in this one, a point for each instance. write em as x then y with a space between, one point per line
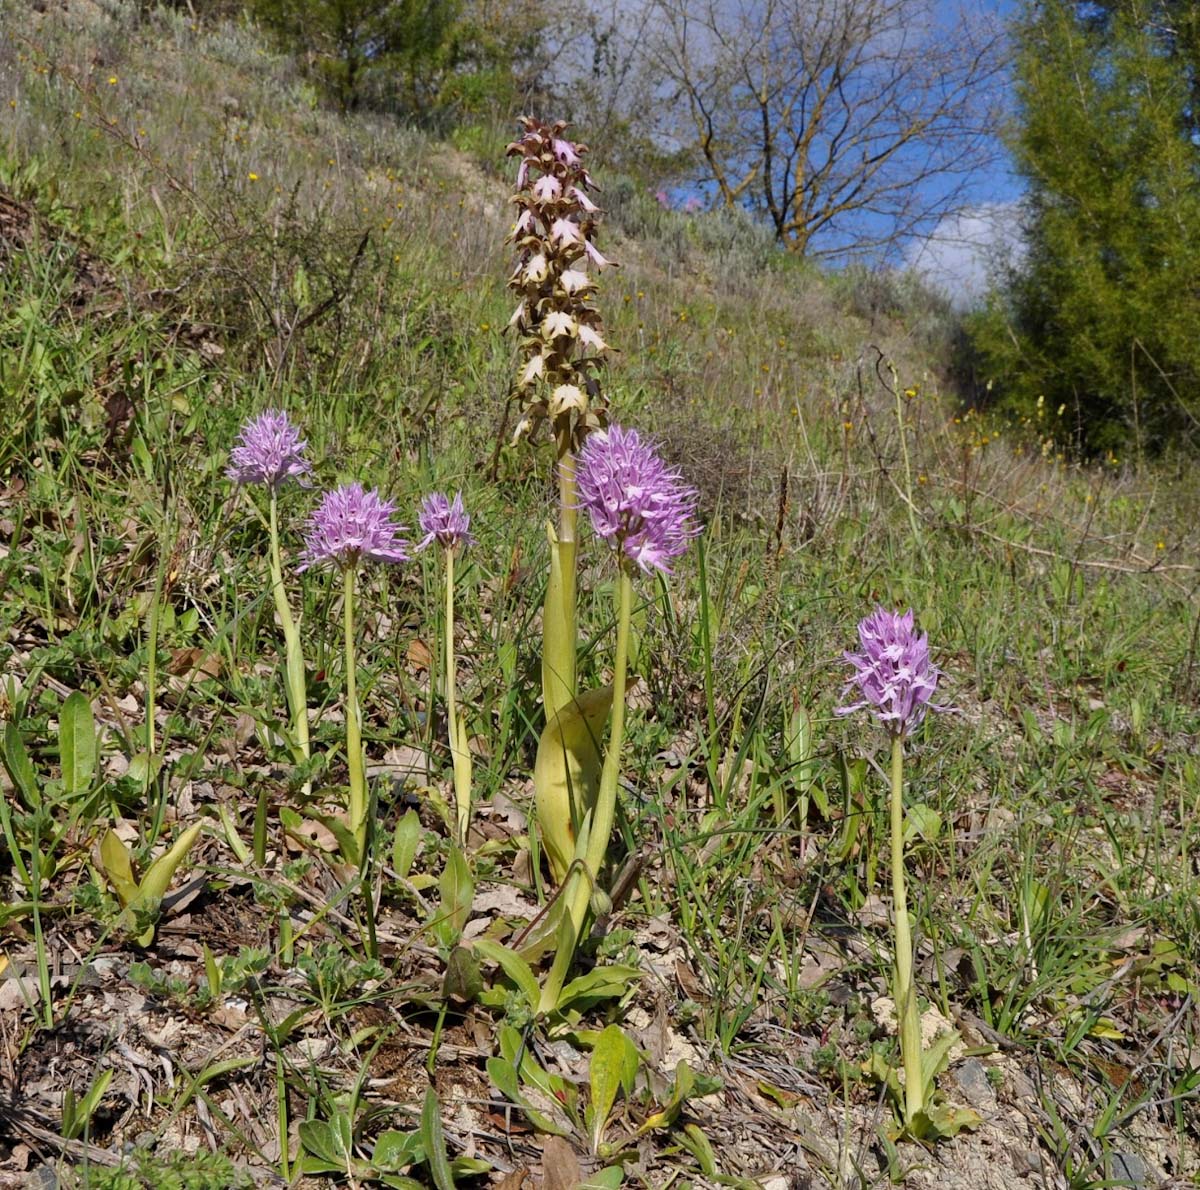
798 740
606 1075
944 1121
81 1111
114 859
697 1143
462 980
552 1085
144 768
680 1091
435 1142
77 744
936 1058
158 878
601 983
922 822
457 890
212 973
326 1144
405 842
566 774
515 967
19 766
504 1079
612 1178
395 1150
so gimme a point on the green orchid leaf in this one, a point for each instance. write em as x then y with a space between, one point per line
943 1121
936 1058
462 980
396 1150
504 1079
922 822
434 1140
326 1143
115 860
20 767
157 880
697 1143
686 1085
77 744
566 774
405 842
612 1178
601 983
515 967
457 888
606 1075
469 1167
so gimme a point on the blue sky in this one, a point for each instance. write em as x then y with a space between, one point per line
965 246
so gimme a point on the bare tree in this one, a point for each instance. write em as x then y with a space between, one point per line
849 124
601 78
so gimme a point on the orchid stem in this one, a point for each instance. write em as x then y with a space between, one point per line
297 697
559 627
905 993
584 878
354 748
297 694
458 746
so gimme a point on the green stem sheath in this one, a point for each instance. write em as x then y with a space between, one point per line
297 694
354 748
585 872
905 992
458 745
559 629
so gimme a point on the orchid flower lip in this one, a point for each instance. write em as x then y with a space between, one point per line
352 524
635 501
893 676
269 451
444 521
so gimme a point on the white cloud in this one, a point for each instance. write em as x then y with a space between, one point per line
967 248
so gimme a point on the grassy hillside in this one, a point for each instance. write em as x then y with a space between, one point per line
186 239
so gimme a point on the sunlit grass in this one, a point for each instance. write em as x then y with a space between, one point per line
1053 891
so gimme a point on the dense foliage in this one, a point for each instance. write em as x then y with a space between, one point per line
1102 321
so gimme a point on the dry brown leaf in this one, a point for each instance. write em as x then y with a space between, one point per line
194 661
560 1166
315 834
418 655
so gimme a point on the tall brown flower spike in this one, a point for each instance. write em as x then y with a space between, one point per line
560 327
557 383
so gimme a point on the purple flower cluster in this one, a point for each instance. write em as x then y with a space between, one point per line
269 451
350 524
634 499
893 674
444 520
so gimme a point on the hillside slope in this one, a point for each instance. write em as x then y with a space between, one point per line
187 238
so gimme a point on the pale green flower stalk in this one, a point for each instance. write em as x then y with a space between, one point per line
561 348
270 452
644 511
350 525
895 680
445 522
